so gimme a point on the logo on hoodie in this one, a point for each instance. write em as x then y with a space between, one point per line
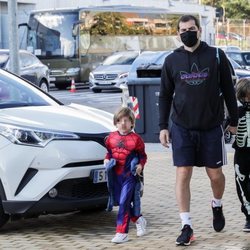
195 77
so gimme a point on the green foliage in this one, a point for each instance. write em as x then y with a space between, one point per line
110 23
237 9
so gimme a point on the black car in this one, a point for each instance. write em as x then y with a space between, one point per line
31 68
241 57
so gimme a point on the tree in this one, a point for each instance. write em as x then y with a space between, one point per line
236 9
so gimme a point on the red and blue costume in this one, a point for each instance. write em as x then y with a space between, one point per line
124 148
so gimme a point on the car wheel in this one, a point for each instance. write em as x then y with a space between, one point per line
44 86
3 216
97 90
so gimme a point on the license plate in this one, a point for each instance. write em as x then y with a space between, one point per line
99 175
52 79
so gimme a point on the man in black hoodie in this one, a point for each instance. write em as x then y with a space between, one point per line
195 81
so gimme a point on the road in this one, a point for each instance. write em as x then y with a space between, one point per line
108 101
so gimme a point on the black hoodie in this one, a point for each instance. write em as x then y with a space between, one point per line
190 81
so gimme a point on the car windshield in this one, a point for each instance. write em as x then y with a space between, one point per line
120 59
15 92
235 64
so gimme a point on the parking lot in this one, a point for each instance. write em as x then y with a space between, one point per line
94 230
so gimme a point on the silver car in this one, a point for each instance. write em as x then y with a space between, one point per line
113 72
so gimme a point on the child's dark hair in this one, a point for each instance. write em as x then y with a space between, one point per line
124 112
186 18
243 89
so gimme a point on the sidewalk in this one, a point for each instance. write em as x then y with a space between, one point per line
94 230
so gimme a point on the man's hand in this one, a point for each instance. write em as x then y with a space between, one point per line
164 137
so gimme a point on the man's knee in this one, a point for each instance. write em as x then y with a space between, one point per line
215 174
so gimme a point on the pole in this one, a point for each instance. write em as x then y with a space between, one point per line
13 38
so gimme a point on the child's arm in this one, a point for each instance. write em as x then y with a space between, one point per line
140 149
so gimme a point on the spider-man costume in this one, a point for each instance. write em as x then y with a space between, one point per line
123 148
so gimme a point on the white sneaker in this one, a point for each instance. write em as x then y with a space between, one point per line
141 224
120 238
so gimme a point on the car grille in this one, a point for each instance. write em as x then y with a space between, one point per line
105 76
81 188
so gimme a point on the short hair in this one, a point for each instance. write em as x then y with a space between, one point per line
186 18
124 112
243 89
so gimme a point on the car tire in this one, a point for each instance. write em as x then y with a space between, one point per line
97 90
3 216
44 86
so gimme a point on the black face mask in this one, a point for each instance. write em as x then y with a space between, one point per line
189 38
246 105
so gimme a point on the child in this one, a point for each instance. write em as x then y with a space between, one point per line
126 152
242 149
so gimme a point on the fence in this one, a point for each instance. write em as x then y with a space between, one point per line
233 32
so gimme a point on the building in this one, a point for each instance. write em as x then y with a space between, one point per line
24 7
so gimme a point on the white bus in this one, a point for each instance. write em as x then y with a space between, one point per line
74 41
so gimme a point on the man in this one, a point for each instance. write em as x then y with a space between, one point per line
190 85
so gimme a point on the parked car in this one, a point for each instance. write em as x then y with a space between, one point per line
240 72
241 57
148 60
31 68
234 36
51 155
229 48
113 72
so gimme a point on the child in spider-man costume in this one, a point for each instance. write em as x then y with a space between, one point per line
124 146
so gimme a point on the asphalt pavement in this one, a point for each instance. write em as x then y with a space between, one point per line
94 230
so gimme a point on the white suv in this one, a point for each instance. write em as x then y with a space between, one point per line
51 155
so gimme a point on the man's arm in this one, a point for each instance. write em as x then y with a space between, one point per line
165 102
228 91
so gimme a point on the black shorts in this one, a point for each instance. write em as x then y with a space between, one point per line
198 147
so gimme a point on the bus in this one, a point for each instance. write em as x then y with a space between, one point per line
72 42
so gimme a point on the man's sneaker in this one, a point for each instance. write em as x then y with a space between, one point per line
120 238
141 224
247 226
218 219
186 236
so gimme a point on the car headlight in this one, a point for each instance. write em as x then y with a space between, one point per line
73 70
123 75
33 136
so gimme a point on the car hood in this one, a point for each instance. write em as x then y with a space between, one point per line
114 69
72 118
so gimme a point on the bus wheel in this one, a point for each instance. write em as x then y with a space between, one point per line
97 90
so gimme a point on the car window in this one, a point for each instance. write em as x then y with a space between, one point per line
25 60
120 59
14 92
247 57
237 58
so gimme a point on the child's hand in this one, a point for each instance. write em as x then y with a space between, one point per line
106 161
139 169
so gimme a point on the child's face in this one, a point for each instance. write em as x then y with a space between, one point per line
124 125
247 98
